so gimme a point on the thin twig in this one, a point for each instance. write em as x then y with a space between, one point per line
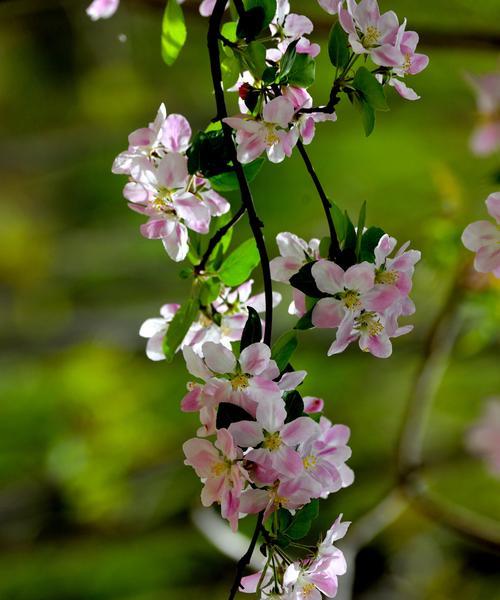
216 238
246 195
334 252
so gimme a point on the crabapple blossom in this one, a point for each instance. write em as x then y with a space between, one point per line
372 33
331 6
290 27
270 134
154 330
219 467
102 9
295 253
486 137
483 438
483 238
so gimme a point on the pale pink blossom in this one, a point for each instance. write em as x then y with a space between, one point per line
395 272
155 329
271 134
483 238
102 9
486 137
220 469
483 438
313 404
295 253
276 440
331 6
305 123
370 32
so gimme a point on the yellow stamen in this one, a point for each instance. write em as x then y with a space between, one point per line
272 442
351 300
387 277
239 382
371 36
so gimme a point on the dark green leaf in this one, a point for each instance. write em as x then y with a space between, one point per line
348 257
339 222
287 60
269 75
338 46
294 406
257 16
304 281
252 332
209 291
179 326
361 226
228 413
208 153
239 264
367 113
173 33
303 71
324 246
305 322
369 242
228 182
283 349
254 58
302 521
372 91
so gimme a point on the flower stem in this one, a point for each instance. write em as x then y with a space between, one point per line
334 252
246 195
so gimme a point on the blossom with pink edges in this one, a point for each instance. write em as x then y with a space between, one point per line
486 137
270 135
483 238
155 329
219 467
294 254
290 27
483 438
102 9
370 32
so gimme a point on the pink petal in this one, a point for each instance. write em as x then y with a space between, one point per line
493 206
218 358
271 413
176 133
313 404
201 455
255 358
279 110
175 242
329 277
289 381
360 277
195 214
479 234
246 433
328 313
299 430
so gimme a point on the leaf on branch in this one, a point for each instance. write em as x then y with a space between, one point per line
340 223
283 349
304 282
173 32
294 405
228 181
295 527
254 59
367 113
360 229
239 264
369 241
305 322
287 60
252 332
348 257
179 327
372 91
338 46
258 15
208 153
303 71
228 413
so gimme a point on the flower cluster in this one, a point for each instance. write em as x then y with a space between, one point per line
308 578
267 456
363 302
161 188
483 238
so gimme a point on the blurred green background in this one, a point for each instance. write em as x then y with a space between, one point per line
95 501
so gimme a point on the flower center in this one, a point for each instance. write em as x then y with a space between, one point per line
372 36
369 323
272 441
279 501
308 589
219 468
387 277
272 136
309 462
239 382
351 300
204 321
407 62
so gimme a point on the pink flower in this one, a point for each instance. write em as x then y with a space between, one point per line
219 467
324 458
313 405
102 9
483 238
486 137
295 253
276 439
271 134
331 6
155 329
483 439
370 32
289 494
305 123
394 273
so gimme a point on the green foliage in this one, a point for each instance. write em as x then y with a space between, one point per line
360 228
294 405
208 154
283 349
239 265
295 527
305 322
173 32
369 242
304 281
338 47
253 59
303 71
228 181
258 14
228 413
252 332
369 96
179 326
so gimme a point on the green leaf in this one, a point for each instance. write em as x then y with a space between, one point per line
258 14
339 222
208 154
369 241
367 113
228 182
348 257
305 322
338 46
230 67
303 71
173 32
179 326
209 291
302 521
287 60
239 264
361 226
373 92
283 349
228 413
304 281
294 405
252 332
254 58
324 246
228 30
